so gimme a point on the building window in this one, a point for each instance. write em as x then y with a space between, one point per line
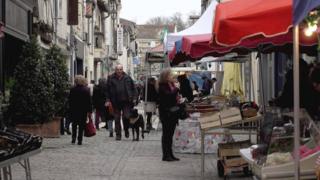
96 43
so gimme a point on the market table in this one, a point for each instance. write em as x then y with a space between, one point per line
285 170
282 170
22 159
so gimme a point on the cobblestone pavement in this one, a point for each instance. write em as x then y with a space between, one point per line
102 158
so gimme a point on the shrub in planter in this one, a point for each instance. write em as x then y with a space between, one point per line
32 95
59 75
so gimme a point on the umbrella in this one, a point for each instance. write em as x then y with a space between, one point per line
242 19
301 8
244 29
194 48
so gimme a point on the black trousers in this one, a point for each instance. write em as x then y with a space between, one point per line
122 111
168 127
149 116
78 128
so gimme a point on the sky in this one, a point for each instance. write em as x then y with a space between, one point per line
139 11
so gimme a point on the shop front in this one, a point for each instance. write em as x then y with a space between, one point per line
17 19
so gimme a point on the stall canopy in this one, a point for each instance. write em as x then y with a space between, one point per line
249 23
243 26
156 55
242 19
301 8
202 26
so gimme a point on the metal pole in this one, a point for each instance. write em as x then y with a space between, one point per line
146 86
296 101
262 85
202 153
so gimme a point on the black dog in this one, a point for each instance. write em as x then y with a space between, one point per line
136 121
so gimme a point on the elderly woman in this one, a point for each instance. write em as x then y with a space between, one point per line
80 107
168 100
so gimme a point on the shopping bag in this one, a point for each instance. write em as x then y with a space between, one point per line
90 130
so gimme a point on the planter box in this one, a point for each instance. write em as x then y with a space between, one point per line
49 129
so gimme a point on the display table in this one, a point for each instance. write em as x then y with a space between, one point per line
226 118
22 159
187 138
282 171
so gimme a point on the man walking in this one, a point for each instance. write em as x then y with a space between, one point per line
120 93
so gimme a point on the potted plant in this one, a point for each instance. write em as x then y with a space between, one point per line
31 103
57 67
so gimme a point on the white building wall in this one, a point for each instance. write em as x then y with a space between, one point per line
63 29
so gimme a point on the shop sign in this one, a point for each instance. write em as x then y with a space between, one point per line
89 9
136 60
119 41
156 57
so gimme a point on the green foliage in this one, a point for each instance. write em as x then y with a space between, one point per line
59 74
32 95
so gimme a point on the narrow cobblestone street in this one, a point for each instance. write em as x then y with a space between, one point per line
102 158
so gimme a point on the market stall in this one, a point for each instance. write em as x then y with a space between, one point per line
243 26
274 159
16 147
260 14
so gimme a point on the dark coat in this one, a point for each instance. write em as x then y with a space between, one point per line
206 86
152 94
185 89
98 97
167 97
120 91
79 103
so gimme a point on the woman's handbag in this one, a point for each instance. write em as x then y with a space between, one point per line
90 130
178 111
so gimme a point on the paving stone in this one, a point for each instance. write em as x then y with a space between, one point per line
103 158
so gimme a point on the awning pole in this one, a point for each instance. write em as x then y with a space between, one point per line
296 101
262 91
147 65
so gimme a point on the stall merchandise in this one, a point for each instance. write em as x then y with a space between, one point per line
16 147
14 143
275 159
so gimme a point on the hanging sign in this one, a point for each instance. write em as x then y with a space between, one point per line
89 9
119 40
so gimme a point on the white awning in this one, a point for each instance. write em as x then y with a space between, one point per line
202 26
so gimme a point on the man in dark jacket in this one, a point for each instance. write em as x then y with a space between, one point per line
98 100
121 93
206 86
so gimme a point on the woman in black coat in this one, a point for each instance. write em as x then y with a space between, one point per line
185 87
151 103
80 107
168 99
